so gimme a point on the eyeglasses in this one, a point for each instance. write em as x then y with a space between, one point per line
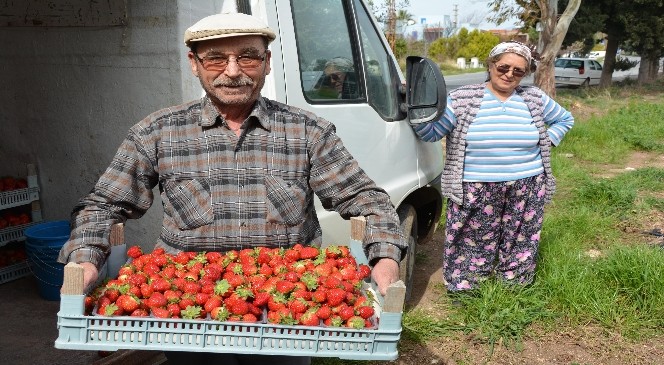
516 72
219 62
336 76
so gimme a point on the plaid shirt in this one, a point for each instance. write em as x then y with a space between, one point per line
220 191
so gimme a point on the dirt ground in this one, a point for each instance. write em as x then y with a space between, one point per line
28 322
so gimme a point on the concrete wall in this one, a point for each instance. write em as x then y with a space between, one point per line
70 94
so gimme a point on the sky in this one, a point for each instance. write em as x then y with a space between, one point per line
435 10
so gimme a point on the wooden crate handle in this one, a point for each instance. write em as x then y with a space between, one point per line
116 237
357 228
72 283
395 297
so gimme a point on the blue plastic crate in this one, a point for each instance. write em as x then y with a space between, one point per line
15 271
80 332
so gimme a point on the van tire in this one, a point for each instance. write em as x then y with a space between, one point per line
408 219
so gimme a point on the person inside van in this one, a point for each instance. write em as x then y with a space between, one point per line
234 170
339 79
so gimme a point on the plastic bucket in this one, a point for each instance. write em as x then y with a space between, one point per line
42 245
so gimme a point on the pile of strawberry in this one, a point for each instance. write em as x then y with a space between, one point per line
299 285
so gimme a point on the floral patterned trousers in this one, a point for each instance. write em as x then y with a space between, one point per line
496 230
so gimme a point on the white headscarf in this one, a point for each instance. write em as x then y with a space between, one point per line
512 47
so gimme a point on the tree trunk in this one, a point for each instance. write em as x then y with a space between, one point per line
553 33
612 44
648 69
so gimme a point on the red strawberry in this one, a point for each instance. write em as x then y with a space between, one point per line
187 300
212 302
239 307
298 305
191 287
335 296
109 310
284 286
157 300
219 313
249 317
160 312
146 290
128 303
261 298
324 312
140 312
134 252
309 318
365 311
173 310
364 271
355 322
309 252
160 285
334 321
346 312
201 298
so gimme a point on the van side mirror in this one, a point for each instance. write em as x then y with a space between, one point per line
426 93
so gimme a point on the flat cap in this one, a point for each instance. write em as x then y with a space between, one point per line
227 25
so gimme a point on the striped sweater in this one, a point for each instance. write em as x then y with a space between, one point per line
504 145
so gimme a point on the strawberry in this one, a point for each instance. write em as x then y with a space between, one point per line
128 303
319 296
335 296
365 311
324 312
191 287
174 310
298 305
160 285
134 252
172 296
249 317
309 252
137 279
219 313
239 307
284 286
140 312
160 312
192 312
309 318
146 290
364 271
292 276
346 312
201 298
157 299
355 322
212 302
333 321
187 300
109 310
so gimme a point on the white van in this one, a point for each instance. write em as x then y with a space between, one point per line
370 112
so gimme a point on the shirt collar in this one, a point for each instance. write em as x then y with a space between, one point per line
210 114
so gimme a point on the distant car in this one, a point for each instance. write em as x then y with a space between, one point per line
577 71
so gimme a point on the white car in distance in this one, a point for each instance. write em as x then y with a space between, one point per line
577 71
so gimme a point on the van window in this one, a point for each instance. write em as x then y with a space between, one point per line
327 63
381 76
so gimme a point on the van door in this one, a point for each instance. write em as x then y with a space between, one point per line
337 64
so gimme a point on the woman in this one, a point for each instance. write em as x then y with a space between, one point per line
497 174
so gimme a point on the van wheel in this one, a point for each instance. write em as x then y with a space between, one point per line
408 219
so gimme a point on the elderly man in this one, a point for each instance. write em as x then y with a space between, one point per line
234 170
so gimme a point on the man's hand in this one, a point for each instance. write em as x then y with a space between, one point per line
384 273
90 275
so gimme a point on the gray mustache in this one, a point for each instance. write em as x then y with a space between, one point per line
243 81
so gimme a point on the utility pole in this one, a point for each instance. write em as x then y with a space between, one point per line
391 24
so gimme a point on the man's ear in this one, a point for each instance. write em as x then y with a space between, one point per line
268 57
193 63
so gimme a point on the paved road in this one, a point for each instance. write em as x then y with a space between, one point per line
454 81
